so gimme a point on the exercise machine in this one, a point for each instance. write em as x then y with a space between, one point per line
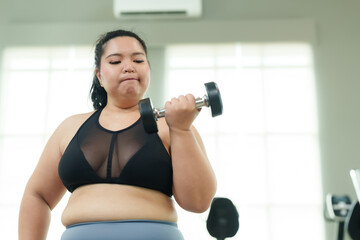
346 213
352 222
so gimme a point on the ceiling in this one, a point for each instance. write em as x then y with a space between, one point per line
27 11
59 10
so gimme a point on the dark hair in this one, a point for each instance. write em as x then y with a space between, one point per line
97 92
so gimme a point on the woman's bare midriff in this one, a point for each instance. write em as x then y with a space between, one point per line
112 202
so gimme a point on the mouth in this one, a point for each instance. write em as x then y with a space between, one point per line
129 79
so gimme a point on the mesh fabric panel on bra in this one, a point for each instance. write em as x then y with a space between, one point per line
109 151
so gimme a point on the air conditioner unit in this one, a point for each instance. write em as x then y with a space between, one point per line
153 9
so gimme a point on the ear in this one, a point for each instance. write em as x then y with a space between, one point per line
98 75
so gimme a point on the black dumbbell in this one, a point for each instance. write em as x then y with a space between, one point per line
150 115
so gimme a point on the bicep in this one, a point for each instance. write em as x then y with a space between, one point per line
199 140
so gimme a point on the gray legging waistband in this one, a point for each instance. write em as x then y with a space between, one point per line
123 230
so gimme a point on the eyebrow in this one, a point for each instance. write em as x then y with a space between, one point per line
120 55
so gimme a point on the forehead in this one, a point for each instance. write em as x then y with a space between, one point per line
122 45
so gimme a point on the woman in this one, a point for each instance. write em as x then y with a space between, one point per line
122 179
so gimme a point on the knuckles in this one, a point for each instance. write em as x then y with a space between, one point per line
180 112
181 103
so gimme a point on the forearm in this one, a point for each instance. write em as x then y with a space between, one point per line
34 218
194 179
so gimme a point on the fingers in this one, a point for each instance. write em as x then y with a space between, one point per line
181 111
183 102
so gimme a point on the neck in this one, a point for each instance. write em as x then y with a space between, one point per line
121 109
122 106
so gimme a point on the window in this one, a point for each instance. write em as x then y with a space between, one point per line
43 86
264 148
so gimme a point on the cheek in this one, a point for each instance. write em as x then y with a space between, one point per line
146 77
104 72
147 72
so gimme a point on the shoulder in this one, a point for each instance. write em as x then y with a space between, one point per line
68 128
75 120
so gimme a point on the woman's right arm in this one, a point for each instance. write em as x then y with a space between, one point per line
43 190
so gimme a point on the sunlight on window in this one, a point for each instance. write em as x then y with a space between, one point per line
289 100
40 87
24 59
24 94
264 148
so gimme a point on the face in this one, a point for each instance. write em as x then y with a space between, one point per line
124 71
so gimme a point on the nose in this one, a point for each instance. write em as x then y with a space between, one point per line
128 68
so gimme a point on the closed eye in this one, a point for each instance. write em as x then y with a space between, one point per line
115 62
139 61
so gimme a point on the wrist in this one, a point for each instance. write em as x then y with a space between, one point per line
179 130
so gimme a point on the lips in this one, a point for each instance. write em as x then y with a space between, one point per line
129 79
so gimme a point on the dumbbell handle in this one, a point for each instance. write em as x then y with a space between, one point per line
199 102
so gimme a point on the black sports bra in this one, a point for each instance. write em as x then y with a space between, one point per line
129 156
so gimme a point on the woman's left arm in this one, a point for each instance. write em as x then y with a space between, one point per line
194 181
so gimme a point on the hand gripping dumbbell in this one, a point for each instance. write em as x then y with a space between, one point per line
150 115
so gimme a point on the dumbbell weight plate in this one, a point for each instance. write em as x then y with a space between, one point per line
147 115
214 98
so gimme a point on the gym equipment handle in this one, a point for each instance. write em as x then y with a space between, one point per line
200 102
